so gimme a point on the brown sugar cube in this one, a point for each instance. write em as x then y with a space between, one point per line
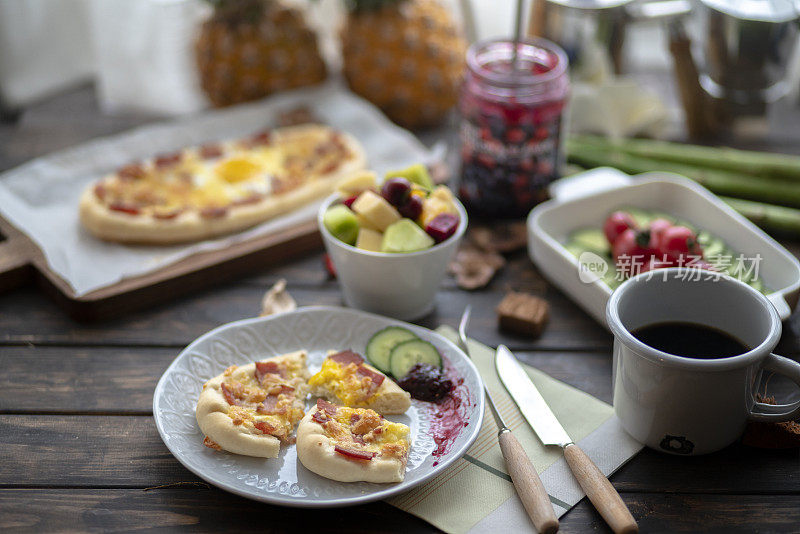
523 314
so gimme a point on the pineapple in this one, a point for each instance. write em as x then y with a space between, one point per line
404 56
251 48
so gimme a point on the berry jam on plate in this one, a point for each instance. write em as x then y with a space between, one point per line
511 126
426 382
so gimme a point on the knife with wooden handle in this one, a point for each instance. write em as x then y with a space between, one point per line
523 475
541 418
527 483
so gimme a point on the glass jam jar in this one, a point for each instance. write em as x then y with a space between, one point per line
510 129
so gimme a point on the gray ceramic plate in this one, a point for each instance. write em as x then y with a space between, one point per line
283 480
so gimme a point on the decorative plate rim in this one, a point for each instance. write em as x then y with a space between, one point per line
312 502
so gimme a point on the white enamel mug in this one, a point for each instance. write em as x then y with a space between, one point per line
402 286
685 405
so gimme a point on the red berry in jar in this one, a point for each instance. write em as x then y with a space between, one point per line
541 134
412 208
396 191
515 135
486 161
442 226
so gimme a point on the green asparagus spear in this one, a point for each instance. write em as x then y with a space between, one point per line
719 181
767 216
764 164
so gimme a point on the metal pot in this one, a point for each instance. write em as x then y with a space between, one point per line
584 27
746 48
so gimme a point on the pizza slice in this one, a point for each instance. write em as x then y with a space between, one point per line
346 379
251 409
352 444
214 189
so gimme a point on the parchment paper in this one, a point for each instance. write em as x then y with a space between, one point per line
41 197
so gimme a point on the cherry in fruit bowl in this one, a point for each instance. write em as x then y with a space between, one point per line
396 191
412 209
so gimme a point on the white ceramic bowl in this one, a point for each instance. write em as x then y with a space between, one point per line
402 286
585 200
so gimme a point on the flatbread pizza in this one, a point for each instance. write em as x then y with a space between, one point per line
252 409
352 444
215 189
346 379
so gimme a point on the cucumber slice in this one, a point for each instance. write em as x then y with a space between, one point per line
661 215
715 249
612 283
590 239
409 353
643 218
705 239
575 249
758 285
381 344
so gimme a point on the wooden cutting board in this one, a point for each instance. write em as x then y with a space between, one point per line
21 262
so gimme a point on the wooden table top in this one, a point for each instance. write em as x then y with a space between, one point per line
81 451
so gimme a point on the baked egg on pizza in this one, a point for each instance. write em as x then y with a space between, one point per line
252 409
346 379
352 444
214 189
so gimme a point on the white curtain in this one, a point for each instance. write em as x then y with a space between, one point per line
144 52
45 45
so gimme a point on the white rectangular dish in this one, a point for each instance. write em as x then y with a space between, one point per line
586 199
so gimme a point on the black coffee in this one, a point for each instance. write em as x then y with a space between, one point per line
690 340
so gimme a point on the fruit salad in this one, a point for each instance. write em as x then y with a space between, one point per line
407 213
634 241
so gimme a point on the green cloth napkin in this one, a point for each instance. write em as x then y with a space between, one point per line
475 492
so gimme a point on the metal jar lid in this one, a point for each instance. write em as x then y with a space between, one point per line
590 4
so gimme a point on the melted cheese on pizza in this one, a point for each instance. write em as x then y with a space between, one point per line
345 376
362 434
266 401
213 178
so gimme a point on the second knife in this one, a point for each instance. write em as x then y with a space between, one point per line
541 418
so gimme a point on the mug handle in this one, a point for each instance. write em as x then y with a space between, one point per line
775 413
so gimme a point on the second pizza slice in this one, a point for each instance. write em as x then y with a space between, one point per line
352 444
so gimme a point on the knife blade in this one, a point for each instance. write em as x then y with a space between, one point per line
549 430
530 401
